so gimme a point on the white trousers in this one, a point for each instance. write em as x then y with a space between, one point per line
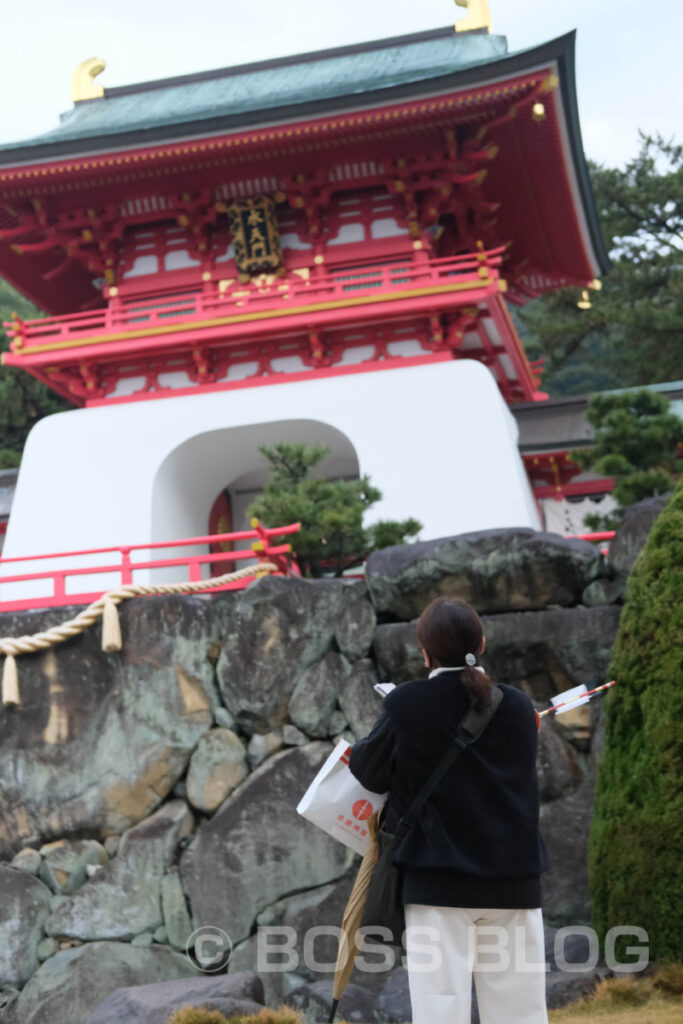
503 950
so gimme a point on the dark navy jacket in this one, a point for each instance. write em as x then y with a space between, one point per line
476 841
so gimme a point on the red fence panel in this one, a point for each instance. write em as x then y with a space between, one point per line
120 562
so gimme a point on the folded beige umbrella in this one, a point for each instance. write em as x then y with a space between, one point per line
351 920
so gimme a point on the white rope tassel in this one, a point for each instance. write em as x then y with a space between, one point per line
10 682
111 627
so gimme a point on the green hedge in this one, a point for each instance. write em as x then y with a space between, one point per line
636 842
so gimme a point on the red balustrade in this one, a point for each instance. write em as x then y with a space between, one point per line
123 566
603 535
220 298
598 536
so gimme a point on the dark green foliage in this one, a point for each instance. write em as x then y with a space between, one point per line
633 334
637 833
332 536
636 437
23 400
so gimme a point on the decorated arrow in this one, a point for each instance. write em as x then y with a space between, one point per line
575 697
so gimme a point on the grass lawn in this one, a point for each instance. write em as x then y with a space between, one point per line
655 999
656 1011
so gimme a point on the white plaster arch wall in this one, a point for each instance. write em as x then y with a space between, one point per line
190 477
437 439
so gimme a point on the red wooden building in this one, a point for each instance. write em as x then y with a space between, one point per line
334 213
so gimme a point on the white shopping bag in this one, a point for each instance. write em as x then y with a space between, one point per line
337 803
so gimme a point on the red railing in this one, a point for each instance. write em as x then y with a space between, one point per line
123 567
600 535
604 535
217 299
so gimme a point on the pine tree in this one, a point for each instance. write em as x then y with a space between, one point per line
332 536
633 333
636 437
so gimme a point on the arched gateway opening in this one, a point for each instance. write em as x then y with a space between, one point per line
207 483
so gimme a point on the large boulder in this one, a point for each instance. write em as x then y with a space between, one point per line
27 859
217 766
550 651
177 923
263 745
494 570
361 704
309 950
633 532
232 995
625 547
124 898
542 652
394 999
356 629
315 696
24 907
556 764
315 1000
563 987
256 848
311 954
72 983
65 862
279 628
100 739
397 653
572 947
565 826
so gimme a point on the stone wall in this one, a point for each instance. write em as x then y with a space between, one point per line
152 792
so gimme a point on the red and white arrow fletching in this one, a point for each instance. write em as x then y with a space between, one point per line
573 698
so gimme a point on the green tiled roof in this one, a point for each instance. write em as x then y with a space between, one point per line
251 91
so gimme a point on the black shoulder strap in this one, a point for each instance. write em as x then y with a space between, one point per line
469 731
474 722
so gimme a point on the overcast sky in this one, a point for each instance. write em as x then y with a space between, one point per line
629 67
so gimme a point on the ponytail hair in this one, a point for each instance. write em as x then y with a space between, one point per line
448 630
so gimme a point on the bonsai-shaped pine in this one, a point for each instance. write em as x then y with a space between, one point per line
332 536
200 1015
636 436
637 832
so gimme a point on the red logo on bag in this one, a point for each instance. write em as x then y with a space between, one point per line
362 809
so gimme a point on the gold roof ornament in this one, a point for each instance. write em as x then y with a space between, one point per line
477 16
82 81
585 301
